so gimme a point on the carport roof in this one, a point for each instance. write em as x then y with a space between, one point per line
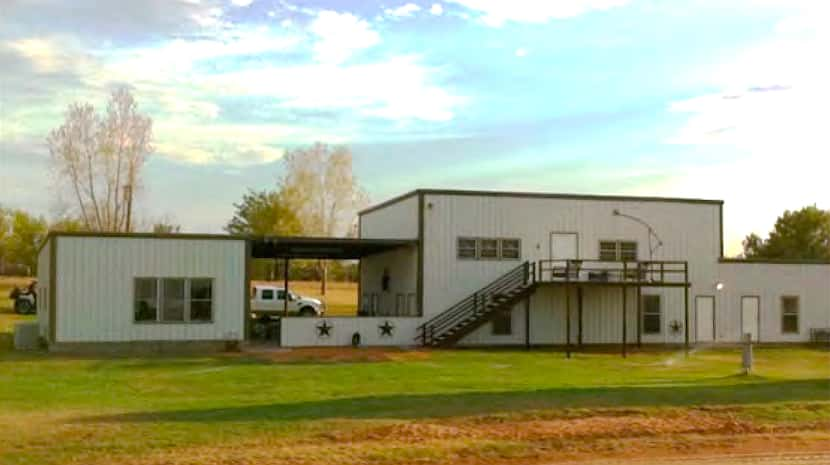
335 248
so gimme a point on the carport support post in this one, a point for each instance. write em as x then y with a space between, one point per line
639 316
285 287
527 323
567 316
624 318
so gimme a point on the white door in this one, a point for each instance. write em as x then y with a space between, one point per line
564 246
704 318
750 311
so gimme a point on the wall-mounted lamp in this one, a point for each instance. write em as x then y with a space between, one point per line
429 206
718 286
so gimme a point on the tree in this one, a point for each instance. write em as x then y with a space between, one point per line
800 235
165 227
320 186
5 230
263 213
27 233
100 159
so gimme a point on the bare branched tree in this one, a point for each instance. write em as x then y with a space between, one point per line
100 159
321 188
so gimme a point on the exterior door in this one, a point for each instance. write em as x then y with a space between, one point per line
564 245
704 318
750 315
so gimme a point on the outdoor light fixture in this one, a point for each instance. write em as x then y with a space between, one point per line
719 286
652 234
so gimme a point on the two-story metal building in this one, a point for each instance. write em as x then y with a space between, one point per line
449 267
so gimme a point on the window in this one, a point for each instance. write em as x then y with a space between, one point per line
651 314
267 294
510 249
467 248
146 299
608 250
612 251
503 323
789 314
174 300
628 251
280 294
489 249
201 300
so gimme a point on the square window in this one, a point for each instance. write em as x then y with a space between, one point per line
173 299
608 251
628 251
510 249
489 248
146 299
466 248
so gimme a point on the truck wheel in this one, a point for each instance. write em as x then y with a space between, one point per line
23 307
307 311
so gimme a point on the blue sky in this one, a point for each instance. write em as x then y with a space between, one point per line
710 99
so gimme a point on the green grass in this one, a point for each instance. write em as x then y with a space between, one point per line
56 409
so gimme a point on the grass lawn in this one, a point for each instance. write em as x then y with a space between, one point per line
393 407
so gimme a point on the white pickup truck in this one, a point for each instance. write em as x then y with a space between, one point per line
270 301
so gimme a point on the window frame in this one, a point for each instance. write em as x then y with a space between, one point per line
159 293
480 248
618 255
458 248
191 299
518 248
646 313
796 314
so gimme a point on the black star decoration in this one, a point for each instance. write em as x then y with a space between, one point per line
324 329
386 329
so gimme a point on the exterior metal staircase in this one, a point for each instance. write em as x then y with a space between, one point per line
480 307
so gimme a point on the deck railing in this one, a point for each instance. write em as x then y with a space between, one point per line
601 271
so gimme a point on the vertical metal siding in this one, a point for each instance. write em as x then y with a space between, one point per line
44 266
398 220
95 286
690 231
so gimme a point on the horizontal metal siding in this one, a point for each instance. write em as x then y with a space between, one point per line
398 220
95 287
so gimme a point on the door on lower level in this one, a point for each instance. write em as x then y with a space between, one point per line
750 316
704 318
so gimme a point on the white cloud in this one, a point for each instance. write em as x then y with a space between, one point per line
769 120
520 52
403 11
242 3
400 88
497 12
341 35
286 23
437 9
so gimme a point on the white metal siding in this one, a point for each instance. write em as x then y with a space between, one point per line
44 265
95 287
398 220
811 283
690 231
302 332
402 265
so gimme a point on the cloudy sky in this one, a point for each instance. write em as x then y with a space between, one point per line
722 99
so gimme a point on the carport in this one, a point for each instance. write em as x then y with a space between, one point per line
286 249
